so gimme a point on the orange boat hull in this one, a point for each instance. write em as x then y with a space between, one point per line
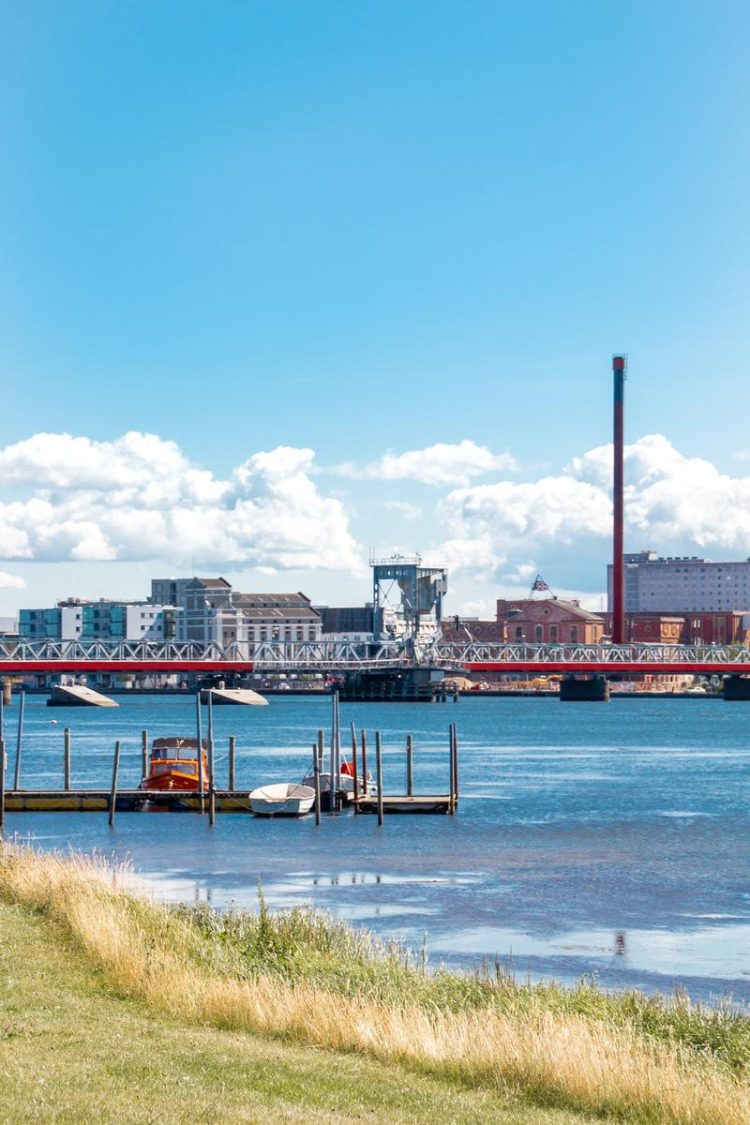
169 782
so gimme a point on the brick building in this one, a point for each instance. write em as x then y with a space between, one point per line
548 621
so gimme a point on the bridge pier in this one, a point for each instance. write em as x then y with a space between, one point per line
592 689
736 688
409 685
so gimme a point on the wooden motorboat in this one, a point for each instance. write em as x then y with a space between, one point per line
283 799
174 765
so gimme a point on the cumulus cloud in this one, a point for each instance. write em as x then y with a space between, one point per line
139 497
671 501
437 464
11 581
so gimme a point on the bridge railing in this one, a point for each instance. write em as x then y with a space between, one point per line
476 652
271 656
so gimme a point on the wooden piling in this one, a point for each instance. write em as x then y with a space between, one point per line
230 782
364 763
451 772
379 771
409 765
144 753
66 764
2 786
354 769
113 794
19 740
211 786
455 765
316 772
199 728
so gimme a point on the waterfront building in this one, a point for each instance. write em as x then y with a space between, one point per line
213 612
103 620
727 628
682 584
548 621
463 629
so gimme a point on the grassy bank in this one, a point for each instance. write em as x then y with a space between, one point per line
312 983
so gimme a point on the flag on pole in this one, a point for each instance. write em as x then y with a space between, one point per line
539 584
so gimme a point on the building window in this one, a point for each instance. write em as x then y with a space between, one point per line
539 634
519 632
574 633
553 633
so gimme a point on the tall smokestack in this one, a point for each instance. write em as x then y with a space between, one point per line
618 560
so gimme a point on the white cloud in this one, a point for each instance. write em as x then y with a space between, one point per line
435 465
139 497
403 508
671 502
11 581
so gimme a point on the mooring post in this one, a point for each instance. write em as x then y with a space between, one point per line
66 763
230 783
321 759
451 772
409 765
199 728
364 763
2 786
113 794
17 774
379 772
144 754
211 786
316 775
354 769
455 765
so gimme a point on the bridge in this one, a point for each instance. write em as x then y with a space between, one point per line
19 658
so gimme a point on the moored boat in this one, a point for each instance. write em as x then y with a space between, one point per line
282 799
346 779
174 765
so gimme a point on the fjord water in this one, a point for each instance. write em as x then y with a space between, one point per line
607 839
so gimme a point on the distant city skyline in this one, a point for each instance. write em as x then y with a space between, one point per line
357 274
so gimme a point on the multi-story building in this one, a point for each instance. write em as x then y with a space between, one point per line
726 628
212 612
62 622
102 620
682 585
548 621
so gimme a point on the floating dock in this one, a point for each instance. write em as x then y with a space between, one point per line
396 803
126 800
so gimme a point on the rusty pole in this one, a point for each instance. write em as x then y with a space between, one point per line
618 558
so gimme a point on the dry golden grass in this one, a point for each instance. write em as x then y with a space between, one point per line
551 1058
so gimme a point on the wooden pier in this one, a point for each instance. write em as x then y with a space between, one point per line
126 800
365 795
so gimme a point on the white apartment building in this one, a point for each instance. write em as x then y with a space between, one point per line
682 584
212 612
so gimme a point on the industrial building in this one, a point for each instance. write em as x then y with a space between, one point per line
682 584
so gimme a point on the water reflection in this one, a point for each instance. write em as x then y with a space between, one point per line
587 839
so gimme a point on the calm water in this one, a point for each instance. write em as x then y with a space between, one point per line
611 839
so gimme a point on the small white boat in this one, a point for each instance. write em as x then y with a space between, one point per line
284 799
346 782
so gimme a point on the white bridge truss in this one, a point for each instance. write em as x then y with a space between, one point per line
332 656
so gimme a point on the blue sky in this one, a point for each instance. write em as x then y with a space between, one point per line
362 227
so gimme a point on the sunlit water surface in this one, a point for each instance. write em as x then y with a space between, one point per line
608 839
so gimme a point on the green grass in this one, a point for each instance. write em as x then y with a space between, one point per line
75 1050
308 945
